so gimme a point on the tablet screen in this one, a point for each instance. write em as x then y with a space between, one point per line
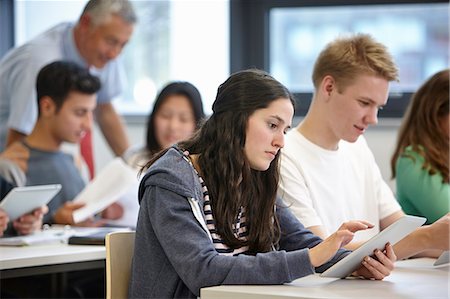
392 234
22 200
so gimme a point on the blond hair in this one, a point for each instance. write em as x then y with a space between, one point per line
348 57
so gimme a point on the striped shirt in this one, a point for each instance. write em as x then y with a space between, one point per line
239 227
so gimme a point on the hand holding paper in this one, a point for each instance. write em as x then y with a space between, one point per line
111 183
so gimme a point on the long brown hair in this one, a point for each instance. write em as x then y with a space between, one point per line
421 128
231 183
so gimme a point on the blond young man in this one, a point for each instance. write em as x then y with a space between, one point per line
328 173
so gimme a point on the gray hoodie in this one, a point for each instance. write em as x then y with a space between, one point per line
174 256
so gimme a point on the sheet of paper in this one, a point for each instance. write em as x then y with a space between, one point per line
41 237
106 187
312 280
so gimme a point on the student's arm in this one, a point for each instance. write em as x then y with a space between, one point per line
4 219
428 240
427 193
295 236
323 254
18 154
112 127
189 249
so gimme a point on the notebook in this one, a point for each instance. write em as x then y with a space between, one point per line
94 236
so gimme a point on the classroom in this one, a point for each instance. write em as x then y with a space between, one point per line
224 149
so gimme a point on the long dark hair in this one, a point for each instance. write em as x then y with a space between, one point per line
231 182
175 88
421 126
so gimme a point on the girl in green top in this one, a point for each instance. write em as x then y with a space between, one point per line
420 162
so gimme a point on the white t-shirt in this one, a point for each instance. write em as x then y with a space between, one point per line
327 188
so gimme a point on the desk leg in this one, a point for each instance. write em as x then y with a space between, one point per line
58 284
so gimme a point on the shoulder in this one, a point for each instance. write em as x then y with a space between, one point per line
23 63
296 146
411 153
293 139
172 172
137 156
409 158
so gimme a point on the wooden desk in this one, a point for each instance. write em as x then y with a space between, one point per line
52 258
410 279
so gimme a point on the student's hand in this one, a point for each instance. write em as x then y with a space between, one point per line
114 211
31 222
439 233
323 252
17 153
91 222
379 266
64 215
4 219
356 225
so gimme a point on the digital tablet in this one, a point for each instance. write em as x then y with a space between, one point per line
392 234
22 200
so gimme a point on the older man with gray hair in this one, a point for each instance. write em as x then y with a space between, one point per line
94 42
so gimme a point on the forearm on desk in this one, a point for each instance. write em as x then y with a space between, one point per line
415 244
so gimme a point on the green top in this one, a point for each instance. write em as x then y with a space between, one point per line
418 192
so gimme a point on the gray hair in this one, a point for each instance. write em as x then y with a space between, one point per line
101 10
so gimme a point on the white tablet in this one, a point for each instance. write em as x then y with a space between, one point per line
392 234
22 200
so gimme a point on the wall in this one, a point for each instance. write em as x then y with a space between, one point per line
381 140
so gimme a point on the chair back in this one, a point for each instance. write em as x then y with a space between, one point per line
119 253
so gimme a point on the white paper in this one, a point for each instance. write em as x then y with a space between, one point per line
40 237
312 280
106 187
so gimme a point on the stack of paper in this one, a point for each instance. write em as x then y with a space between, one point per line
41 237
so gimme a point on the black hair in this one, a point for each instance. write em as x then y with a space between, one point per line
174 88
57 79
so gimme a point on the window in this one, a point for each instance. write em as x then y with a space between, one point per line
416 35
173 40
287 36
